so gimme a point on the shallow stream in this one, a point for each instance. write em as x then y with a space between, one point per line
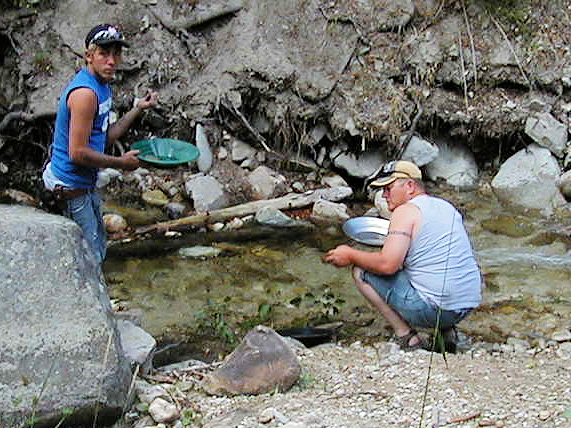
277 278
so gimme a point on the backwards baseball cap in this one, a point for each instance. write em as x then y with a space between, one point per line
105 34
394 170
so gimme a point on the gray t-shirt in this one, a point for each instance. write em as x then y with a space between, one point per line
440 262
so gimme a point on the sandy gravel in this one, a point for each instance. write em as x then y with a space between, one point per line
371 386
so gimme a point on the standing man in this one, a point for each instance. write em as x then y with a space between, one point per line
82 131
426 273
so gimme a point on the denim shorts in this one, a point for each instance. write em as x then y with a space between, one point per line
402 297
85 210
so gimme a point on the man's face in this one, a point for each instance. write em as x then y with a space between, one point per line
104 60
396 193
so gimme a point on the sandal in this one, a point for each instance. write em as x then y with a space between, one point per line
402 341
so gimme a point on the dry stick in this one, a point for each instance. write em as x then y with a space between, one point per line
462 69
245 122
475 68
511 49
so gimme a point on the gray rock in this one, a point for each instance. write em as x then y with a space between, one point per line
527 180
419 151
138 345
329 211
564 184
266 183
273 217
58 330
548 132
360 166
263 362
242 151
207 193
204 161
455 164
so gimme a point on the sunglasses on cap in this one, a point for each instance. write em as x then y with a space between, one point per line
104 35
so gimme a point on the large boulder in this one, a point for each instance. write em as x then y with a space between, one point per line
60 345
528 181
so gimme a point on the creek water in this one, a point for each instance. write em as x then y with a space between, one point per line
279 279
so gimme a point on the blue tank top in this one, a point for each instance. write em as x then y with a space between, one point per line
74 175
440 262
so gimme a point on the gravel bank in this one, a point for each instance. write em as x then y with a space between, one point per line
375 386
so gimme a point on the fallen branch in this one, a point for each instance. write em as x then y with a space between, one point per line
26 117
290 201
202 14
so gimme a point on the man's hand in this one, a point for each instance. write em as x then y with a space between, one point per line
150 100
130 160
340 256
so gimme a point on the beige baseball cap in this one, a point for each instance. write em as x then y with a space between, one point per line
397 169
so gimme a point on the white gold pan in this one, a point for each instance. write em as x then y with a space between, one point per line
367 230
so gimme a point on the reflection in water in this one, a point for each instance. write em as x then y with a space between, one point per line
283 282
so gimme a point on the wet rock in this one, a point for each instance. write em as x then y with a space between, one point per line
155 197
263 362
199 252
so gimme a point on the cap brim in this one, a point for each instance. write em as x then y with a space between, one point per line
381 182
110 42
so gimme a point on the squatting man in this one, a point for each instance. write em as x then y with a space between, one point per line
426 273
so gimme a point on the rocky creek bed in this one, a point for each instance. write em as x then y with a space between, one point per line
379 385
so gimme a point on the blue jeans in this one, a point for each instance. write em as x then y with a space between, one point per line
85 210
403 298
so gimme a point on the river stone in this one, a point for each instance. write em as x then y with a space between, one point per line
59 338
114 223
263 362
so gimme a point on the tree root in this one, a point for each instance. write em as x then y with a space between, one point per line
26 117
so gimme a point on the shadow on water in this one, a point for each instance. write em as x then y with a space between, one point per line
200 307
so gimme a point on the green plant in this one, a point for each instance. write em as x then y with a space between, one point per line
213 317
42 62
263 315
190 417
